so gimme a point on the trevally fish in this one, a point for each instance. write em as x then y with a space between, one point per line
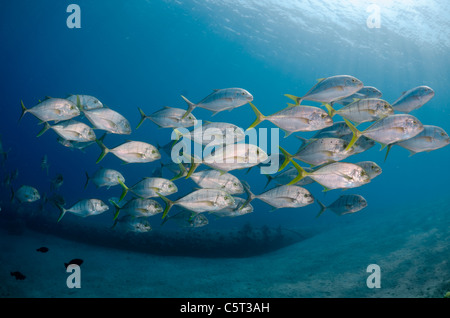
363 110
319 151
214 179
362 144
138 207
56 182
25 194
284 196
349 203
131 152
337 130
293 119
52 109
79 145
284 177
105 178
388 130
187 218
57 199
85 102
213 134
220 100
201 200
413 99
372 169
336 175
149 188
237 209
84 208
129 223
71 130
169 117
365 92
431 138
74 144
330 89
109 120
231 157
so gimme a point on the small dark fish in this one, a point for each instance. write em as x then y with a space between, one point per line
18 275
42 249
75 261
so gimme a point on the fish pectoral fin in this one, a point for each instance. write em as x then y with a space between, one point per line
400 130
426 138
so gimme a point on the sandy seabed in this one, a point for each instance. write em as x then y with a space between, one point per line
412 249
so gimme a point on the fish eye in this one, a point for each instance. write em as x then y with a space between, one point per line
353 80
443 134
153 151
323 115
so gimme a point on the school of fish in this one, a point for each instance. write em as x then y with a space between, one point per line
345 103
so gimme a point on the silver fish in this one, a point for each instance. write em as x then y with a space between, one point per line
169 117
202 200
52 109
130 223
220 100
57 182
372 169
84 208
293 119
109 120
235 209
319 151
363 110
149 188
187 218
105 178
25 194
74 144
330 89
337 175
431 138
214 134
345 204
71 130
230 157
138 207
131 152
362 144
285 196
365 92
213 179
413 99
337 130
85 102
388 130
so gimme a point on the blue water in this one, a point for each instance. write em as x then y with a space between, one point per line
148 53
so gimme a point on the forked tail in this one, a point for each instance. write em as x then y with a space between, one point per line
191 107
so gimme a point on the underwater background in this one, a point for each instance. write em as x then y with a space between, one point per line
146 54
